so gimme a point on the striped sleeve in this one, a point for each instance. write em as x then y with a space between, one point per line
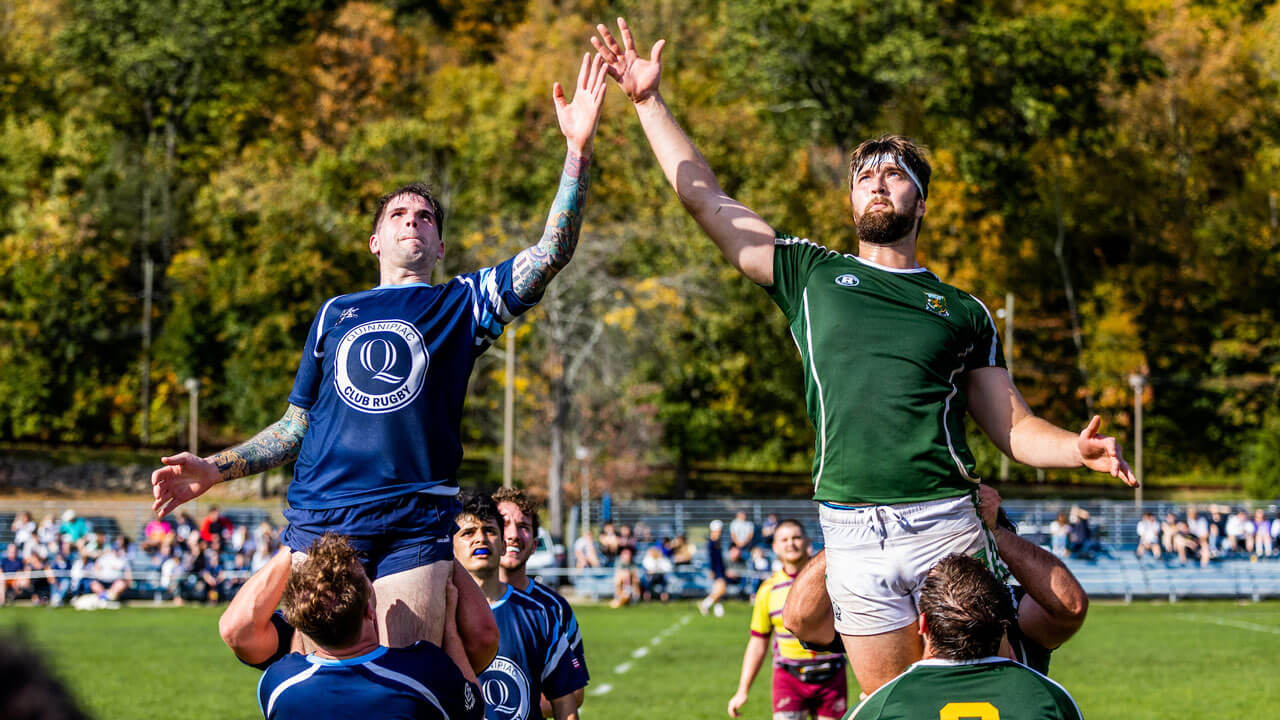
761 623
793 259
494 302
987 349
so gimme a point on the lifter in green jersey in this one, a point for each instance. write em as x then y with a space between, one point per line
964 611
893 358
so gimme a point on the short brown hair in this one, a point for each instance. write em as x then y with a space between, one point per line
908 153
327 594
520 499
967 609
420 189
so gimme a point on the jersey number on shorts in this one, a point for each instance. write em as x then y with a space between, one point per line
969 711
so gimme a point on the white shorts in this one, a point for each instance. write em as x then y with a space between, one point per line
878 557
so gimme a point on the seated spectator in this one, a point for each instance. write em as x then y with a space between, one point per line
1059 530
1168 532
679 550
759 567
609 544
584 550
767 528
626 581
24 532
47 533
73 527
1149 535
626 539
214 524
1238 538
1186 542
57 570
155 532
185 526
656 566
111 577
643 534
1218 528
1199 526
1262 539
238 574
1081 541
742 533
14 579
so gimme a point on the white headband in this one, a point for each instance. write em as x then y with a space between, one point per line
896 160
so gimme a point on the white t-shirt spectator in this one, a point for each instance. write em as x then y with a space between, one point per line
1149 531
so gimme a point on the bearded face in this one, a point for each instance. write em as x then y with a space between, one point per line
883 224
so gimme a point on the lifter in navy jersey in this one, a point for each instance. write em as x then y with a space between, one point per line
376 406
534 658
329 597
1051 603
519 530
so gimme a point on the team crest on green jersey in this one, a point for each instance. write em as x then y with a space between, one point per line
936 304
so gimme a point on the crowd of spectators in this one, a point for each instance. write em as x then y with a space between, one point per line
643 564
1219 532
178 558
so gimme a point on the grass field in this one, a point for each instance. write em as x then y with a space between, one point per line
1187 660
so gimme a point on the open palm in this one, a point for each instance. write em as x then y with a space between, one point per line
578 119
637 76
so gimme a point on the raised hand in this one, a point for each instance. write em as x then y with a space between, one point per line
184 477
1102 453
637 77
578 118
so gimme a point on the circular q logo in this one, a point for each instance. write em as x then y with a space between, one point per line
506 690
380 366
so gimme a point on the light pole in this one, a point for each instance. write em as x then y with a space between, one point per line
1138 382
509 410
1006 313
584 477
193 415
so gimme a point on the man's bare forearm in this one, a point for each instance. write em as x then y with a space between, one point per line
534 267
276 445
1039 443
686 170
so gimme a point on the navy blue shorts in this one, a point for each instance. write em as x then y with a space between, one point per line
392 535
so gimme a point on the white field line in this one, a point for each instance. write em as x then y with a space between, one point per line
623 668
1233 623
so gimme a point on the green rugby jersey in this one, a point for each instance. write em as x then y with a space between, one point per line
884 354
988 689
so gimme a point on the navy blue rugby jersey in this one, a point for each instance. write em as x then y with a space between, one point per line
533 660
562 613
383 377
419 681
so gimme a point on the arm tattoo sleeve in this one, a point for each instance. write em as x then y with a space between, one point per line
276 445
534 267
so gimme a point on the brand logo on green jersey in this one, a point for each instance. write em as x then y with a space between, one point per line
848 280
936 304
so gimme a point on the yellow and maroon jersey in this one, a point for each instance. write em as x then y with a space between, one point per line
766 621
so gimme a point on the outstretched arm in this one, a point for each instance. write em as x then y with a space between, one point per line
185 476
534 267
1003 415
1055 605
743 237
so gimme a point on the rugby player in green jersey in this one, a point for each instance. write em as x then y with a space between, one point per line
964 611
893 358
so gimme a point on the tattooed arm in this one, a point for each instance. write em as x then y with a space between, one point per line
185 476
534 267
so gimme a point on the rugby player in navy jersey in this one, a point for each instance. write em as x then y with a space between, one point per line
534 658
1051 603
329 597
519 530
374 415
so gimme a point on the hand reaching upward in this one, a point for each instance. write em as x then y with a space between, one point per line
637 77
578 119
